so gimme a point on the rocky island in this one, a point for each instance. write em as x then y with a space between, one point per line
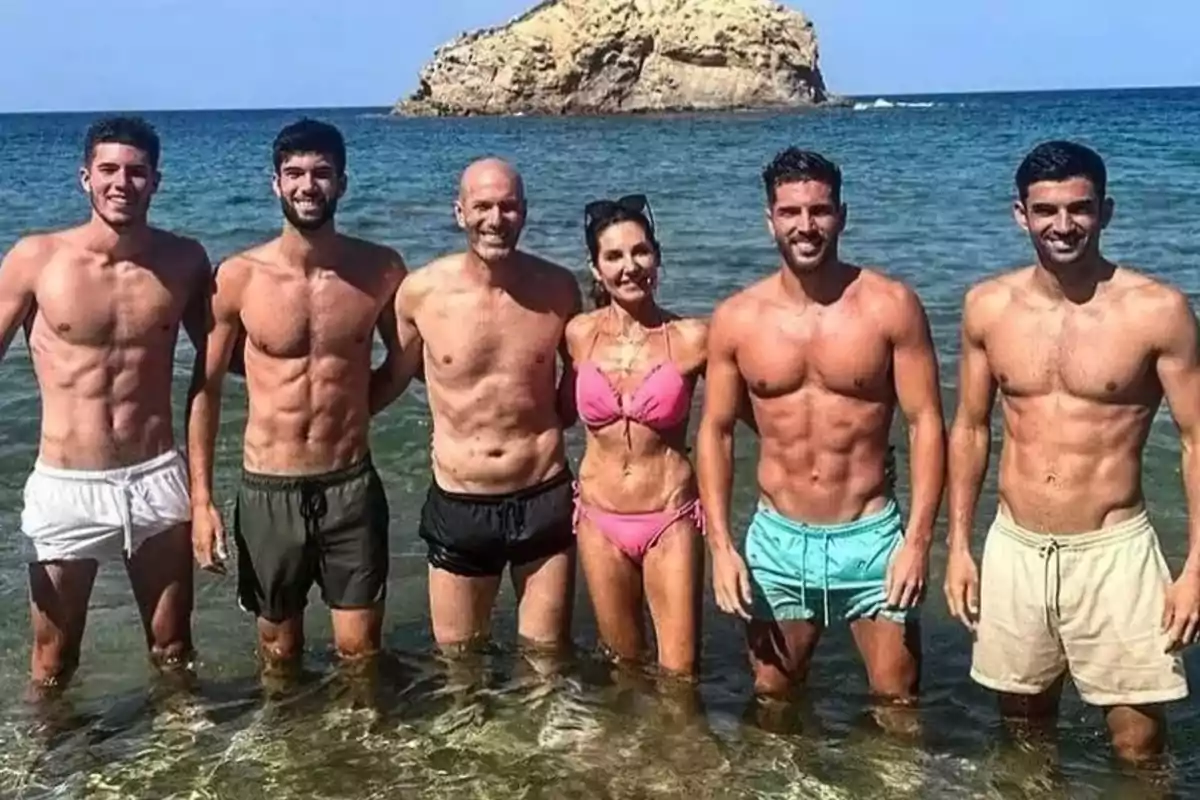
626 56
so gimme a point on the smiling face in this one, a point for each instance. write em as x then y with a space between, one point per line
309 186
626 262
491 210
806 221
120 180
1064 220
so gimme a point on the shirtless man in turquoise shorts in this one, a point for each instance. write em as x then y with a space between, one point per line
826 351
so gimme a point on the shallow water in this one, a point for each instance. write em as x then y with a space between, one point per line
929 190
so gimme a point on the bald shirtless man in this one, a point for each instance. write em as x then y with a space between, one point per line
1082 352
490 322
311 507
826 351
102 305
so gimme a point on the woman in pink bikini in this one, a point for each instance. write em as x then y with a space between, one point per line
637 516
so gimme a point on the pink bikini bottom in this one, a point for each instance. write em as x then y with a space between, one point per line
635 534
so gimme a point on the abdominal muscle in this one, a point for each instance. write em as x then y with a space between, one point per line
102 408
643 472
823 459
1071 466
307 415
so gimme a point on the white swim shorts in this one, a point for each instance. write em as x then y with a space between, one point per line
103 514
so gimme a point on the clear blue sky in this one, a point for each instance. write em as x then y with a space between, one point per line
161 54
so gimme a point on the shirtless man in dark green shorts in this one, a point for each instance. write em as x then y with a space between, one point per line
311 507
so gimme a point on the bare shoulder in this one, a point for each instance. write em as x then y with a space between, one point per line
582 327
31 252
742 307
1146 299
692 331
889 294
374 254
987 300
234 273
423 281
558 282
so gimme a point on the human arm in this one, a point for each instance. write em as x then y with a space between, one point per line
17 287
970 449
723 390
1178 368
391 378
204 415
568 414
918 395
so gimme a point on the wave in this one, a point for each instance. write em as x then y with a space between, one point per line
883 103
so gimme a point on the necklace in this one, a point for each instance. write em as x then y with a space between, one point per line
628 345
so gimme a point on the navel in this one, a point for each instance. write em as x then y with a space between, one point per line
63 327
1003 379
447 359
1111 386
541 358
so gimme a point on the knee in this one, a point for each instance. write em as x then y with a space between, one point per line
280 643
1138 742
55 658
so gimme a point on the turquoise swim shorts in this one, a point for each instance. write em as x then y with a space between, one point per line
801 572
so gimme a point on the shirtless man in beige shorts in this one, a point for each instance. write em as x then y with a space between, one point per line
1083 352
490 322
827 352
311 508
102 305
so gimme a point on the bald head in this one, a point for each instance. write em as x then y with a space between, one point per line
491 208
491 175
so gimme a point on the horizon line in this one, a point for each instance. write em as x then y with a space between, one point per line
389 106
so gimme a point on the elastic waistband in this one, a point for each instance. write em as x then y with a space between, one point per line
1113 534
553 482
279 483
116 474
860 525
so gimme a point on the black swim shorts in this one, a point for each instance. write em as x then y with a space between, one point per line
475 535
293 531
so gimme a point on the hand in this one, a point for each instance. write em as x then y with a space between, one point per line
906 574
731 582
1181 616
962 587
208 538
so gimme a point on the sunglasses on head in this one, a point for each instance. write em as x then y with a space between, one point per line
632 203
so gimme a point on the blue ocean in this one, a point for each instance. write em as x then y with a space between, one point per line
929 183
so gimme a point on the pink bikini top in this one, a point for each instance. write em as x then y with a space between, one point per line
661 402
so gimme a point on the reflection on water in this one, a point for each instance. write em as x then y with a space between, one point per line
497 725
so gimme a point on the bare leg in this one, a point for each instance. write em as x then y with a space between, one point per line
160 572
460 608
674 571
58 600
781 654
891 652
281 645
545 599
1138 732
358 632
1032 716
615 586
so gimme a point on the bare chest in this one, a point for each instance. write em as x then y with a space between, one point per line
1087 355
119 304
470 336
301 316
839 353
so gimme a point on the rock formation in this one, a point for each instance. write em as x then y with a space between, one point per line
626 56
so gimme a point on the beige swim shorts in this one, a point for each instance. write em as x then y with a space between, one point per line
1089 603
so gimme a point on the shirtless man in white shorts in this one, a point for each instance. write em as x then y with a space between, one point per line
490 322
1082 351
102 305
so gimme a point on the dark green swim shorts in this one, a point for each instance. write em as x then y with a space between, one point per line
292 531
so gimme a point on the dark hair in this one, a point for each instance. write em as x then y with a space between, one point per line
133 131
310 136
793 165
601 215
1058 161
